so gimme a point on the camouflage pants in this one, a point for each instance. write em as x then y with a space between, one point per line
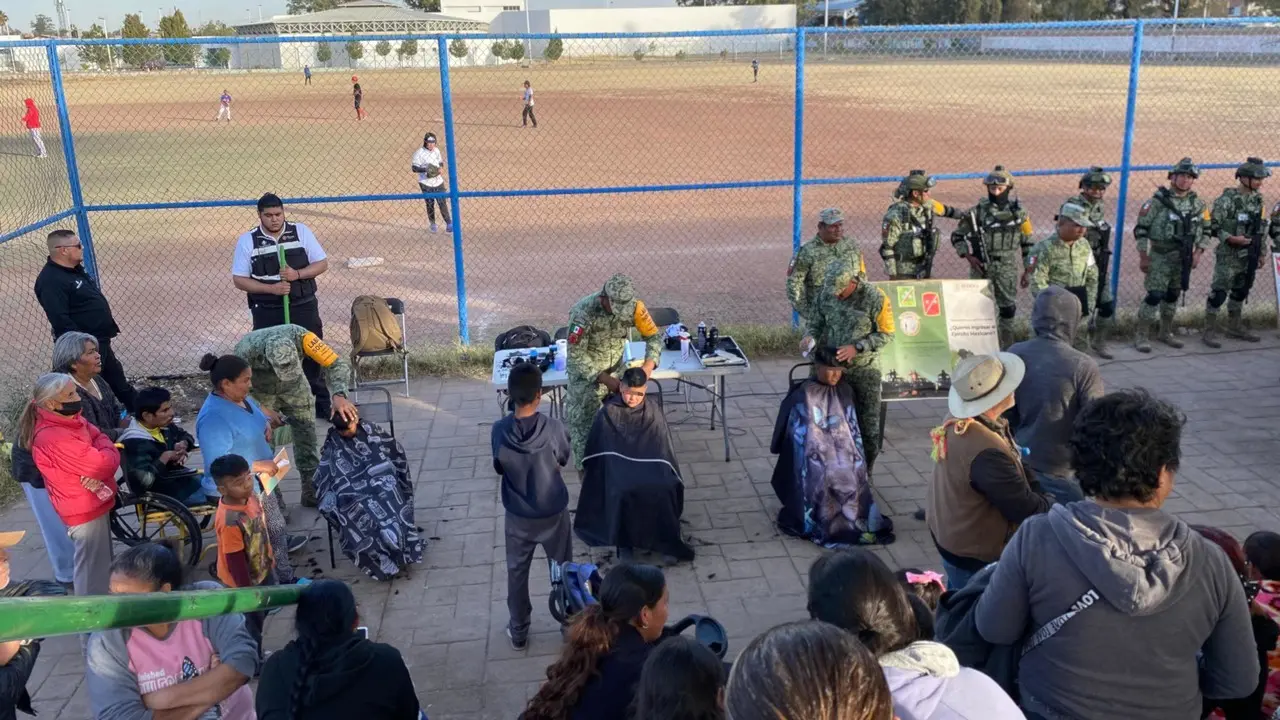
1004 270
299 405
1229 277
1163 284
866 401
582 401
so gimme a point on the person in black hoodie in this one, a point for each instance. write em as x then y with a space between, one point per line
330 672
596 675
529 449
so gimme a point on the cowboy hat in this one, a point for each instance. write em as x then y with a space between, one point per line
980 382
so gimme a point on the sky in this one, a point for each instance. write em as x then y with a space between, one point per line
83 13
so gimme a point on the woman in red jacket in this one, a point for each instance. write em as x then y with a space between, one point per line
32 119
79 465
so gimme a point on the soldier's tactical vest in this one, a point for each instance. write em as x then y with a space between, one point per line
264 266
1001 226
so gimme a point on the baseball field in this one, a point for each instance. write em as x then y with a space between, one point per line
715 254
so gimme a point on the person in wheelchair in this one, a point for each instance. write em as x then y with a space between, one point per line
155 451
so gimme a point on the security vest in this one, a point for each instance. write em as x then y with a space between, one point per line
264 266
1001 226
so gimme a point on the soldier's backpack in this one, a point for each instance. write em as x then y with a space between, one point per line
522 337
374 327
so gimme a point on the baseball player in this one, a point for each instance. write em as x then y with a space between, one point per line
755 70
224 107
357 95
429 165
527 115
32 121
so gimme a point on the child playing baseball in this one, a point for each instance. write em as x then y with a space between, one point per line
358 96
224 107
32 120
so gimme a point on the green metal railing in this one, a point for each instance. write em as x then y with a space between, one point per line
45 617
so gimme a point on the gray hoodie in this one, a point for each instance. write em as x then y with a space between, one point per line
1059 381
1164 594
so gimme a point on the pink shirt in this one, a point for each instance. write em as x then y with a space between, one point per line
185 654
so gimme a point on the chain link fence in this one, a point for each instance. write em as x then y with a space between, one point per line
663 156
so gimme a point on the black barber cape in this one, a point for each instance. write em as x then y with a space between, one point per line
632 496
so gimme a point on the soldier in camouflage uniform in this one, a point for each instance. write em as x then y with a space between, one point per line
276 355
908 238
1238 214
1093 188
855 317
808 268
1005 230
599 327
1062 260
1173 219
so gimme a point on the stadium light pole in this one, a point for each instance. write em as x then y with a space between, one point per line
826 23
1173 33
106 33
528 31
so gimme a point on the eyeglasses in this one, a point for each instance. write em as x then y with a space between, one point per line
77 246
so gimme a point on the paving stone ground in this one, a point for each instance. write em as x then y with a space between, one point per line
447 615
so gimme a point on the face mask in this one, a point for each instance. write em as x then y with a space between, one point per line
69 408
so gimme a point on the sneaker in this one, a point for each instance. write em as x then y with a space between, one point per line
297 542
517 644
448 227
434 228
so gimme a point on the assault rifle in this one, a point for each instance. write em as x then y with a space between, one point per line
930 241
1257 228
1103 256
1187 240
977 240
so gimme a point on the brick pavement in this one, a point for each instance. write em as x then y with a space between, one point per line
447 616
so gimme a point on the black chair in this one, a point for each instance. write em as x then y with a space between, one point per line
664 316
375 410
397 309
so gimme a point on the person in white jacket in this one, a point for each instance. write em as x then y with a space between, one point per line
429 164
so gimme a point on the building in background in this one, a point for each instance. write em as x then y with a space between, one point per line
487 10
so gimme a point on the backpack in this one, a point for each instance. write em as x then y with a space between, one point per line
374 327
520 338
573 588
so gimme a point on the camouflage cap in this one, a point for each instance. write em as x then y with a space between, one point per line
1076 214
840 273
999 177
621 291
1095 176
1185 166
282 352
1253 167
919 180
831 216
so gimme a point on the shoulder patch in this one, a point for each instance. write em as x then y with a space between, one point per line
1146 207
576 333
791 266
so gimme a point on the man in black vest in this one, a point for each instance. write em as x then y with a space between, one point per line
73 302
259 271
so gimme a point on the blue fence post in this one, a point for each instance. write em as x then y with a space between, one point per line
450 148
797 178
73 168
1126 155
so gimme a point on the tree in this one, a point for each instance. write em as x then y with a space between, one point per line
214 28
423 5
175 26
383 48
4 23
408 48
137 55
217 57
323 53
355 49
43 25
554 48
458 48
1017 11
299 7
99 55
515 50
499 49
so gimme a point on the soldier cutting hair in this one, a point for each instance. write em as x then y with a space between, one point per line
908 238
1000 226
808 269
1239 222
1172 233
1093 188
599 327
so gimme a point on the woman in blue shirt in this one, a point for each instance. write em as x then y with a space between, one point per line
232 423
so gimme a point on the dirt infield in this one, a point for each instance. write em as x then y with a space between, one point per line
719 254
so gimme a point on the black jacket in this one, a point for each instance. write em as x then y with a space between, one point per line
15 673
351 680
24 467
529 453
608 695
72 301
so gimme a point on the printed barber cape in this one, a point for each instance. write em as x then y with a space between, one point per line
366 494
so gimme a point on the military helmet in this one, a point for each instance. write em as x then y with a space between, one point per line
1253 168
999 177
919 180
1095 176
1185 166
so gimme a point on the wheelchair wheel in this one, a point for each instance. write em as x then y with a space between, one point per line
153 517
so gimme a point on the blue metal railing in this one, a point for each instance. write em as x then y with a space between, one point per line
456 191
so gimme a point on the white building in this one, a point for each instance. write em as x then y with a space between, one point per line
487 10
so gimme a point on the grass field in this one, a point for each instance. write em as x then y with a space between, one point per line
719 254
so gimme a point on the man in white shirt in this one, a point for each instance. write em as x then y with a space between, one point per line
429 165
279 260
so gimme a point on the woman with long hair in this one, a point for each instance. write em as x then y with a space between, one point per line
57 543
184 669
681 680
331 672
601 663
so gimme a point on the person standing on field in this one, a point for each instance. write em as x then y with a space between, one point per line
908 236
357 95
32 121
306 74
429 164
1238 217
755 70
527 116
224 107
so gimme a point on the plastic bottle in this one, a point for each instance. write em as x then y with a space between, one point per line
702 334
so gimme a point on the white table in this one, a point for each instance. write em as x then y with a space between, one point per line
670 367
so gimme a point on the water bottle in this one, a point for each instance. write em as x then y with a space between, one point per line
702 334
562 351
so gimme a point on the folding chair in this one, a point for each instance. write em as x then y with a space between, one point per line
397 309
375 410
